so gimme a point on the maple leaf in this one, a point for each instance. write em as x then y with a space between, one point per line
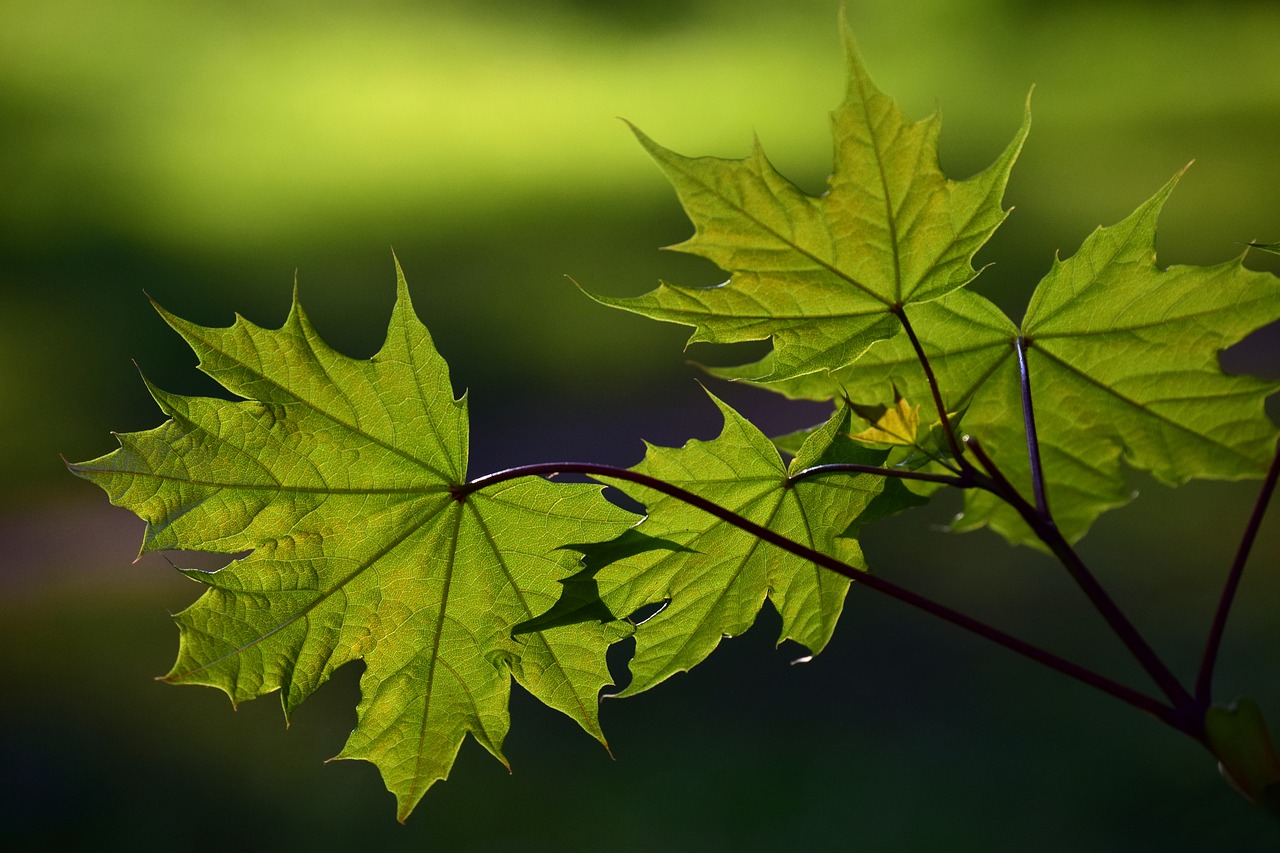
897 424
823 277
341 477
1121 354
1126 352
346 481
713 576
1124 357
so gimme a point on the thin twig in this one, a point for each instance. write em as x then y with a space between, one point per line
1029 422
994 481
959 481
1120 691
956 449
1204 681
1051 536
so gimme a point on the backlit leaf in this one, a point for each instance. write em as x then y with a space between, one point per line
822 276
339 476
713 576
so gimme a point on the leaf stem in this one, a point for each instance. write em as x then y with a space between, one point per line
1052 537
956 449
1204 680
1043 525
1113 688
959 481
1029 422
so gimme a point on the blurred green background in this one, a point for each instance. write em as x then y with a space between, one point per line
206 153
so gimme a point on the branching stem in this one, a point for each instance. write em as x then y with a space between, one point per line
1041 521
1043 525
1113 688
959 481
952 439
1204 681
1029 422
1048 533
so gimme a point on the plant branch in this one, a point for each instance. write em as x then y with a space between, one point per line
1052 537
1204 680
994 480
959 481
1113 688
956 449
1029 422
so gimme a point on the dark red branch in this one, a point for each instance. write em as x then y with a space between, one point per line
960 482
1204 681
952 440
1106 685
1029 423
1048 533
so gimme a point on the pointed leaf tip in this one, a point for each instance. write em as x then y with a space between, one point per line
714 576
334 474
820 275
1135 347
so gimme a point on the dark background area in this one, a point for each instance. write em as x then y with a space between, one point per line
206 153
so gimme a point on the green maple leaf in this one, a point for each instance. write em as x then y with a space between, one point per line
1123 354
713 576
1123 357
340 476
822 277
1123 360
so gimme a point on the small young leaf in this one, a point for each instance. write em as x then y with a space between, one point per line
897 425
